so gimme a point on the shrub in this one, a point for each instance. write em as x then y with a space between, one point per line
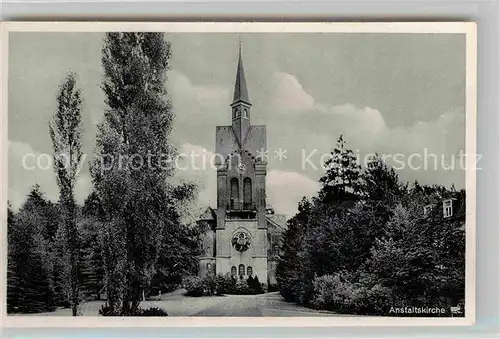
152 312
331 292
254 285
375 299
106 311
242 287
251 284
224 284
220 285
193 286
257 286
209 284
335 293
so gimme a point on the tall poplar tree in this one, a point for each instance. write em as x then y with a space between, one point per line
65 131
129 170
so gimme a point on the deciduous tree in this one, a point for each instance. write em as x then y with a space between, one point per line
65 131
129 170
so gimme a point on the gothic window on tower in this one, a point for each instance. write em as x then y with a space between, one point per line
235 191
241 270
235 113
247 193
233 271
245 113
249 271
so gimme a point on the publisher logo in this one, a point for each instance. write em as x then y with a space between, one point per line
455 309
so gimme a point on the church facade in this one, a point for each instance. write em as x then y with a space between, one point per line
243 233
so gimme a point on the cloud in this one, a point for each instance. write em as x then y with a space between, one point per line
444 135
28 167
289 94
363 124
285 189
186 94
196 165
198 109
315 129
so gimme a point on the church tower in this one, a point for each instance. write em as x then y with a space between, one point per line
242 235
241 240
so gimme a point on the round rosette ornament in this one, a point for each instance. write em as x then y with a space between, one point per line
241 242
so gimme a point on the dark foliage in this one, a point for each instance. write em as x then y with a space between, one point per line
289 268
221 284
194 286
225 284
107 311
364 245
152 312
29 259
143 237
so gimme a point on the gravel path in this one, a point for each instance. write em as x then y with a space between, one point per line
177 304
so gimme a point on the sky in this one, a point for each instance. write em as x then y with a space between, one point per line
400 95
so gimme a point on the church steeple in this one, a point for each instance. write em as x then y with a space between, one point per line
240 86
241 103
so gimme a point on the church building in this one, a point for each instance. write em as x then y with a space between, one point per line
243 233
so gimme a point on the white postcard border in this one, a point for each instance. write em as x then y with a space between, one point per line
467 28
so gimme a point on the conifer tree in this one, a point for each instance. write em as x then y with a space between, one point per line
14 291
342 180
29 280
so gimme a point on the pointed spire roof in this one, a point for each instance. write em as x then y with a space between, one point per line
240 86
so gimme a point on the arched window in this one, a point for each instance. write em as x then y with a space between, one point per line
245 113
241 270
247 192
233 271
209 267
235 192
249 271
